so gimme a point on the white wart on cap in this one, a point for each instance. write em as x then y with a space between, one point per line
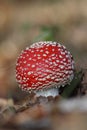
44 67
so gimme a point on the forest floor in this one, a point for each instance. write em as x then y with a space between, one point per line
21 24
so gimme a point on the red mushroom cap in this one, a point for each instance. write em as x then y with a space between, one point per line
44 65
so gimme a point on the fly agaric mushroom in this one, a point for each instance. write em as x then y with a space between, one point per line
44 67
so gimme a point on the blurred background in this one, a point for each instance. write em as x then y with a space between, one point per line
23 22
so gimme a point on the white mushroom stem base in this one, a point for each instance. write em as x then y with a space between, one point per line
48 92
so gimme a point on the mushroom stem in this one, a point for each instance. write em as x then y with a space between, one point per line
48 92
